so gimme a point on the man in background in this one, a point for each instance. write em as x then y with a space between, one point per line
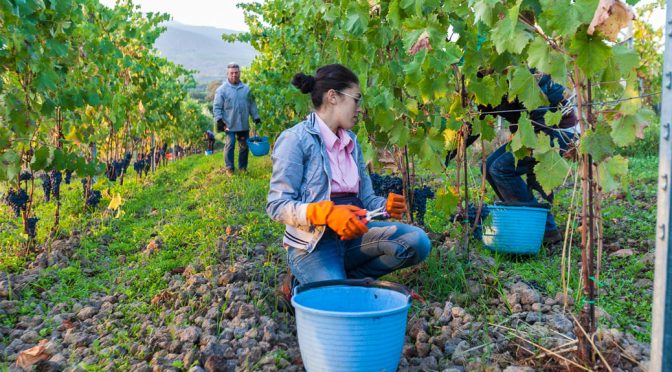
232 108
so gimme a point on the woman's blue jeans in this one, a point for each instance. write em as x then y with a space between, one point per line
505 175
386 247
243 150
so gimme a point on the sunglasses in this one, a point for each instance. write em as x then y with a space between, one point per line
358 100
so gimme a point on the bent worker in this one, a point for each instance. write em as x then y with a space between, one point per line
320 189
504 173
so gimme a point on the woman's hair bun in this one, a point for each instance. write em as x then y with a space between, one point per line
304 82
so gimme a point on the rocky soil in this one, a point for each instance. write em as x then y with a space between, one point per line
223 318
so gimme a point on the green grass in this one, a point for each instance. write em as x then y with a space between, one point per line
189 205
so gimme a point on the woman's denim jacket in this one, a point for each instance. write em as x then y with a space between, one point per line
302 175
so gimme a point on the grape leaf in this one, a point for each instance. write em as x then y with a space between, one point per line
524 86
543 143
508 34
611 170
485 128
42 158
563 17
624 130
626 58
597 143
446 200
484 90
356 22
546 60
550 170
11 165
553 118
590 51
483 11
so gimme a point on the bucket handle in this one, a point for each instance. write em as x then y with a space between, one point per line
366 282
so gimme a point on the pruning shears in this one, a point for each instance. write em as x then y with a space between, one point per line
370 215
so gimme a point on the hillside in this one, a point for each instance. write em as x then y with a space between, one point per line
201 48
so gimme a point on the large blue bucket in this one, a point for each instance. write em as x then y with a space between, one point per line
351 325
517 229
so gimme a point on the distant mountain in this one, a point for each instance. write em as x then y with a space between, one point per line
202 48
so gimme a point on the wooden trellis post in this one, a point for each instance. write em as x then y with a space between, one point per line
661 335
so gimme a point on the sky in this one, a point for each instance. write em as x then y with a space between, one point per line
216 13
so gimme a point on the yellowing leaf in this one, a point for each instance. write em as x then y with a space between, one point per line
115 203
612 170
610 17
420 44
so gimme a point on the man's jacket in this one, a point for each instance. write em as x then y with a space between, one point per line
234 105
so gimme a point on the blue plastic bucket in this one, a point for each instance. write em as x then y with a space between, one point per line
515 229
259 148
351 325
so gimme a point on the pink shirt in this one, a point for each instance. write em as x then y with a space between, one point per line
344 172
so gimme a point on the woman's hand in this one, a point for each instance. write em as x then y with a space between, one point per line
396 205
345 220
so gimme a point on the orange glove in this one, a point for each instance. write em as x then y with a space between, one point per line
343 219
396 205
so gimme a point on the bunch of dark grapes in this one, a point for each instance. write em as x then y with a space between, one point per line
26 176
68 175
420 197
110 172
147 166
127 161
383 185
31 224
138 165
56 177
118 166
46 186
17 200
93 199
471 214
142 165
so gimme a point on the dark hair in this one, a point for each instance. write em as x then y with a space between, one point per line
336 77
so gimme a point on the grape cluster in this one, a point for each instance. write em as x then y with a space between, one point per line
46 186
127 161
17 200
26 176
68 175
420 197
114 169
31 224
56 177
383 185
93 198
142 165
471 214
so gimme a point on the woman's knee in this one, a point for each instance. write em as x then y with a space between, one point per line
423 247
419 242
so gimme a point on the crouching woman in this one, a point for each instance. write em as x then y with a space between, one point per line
321 191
